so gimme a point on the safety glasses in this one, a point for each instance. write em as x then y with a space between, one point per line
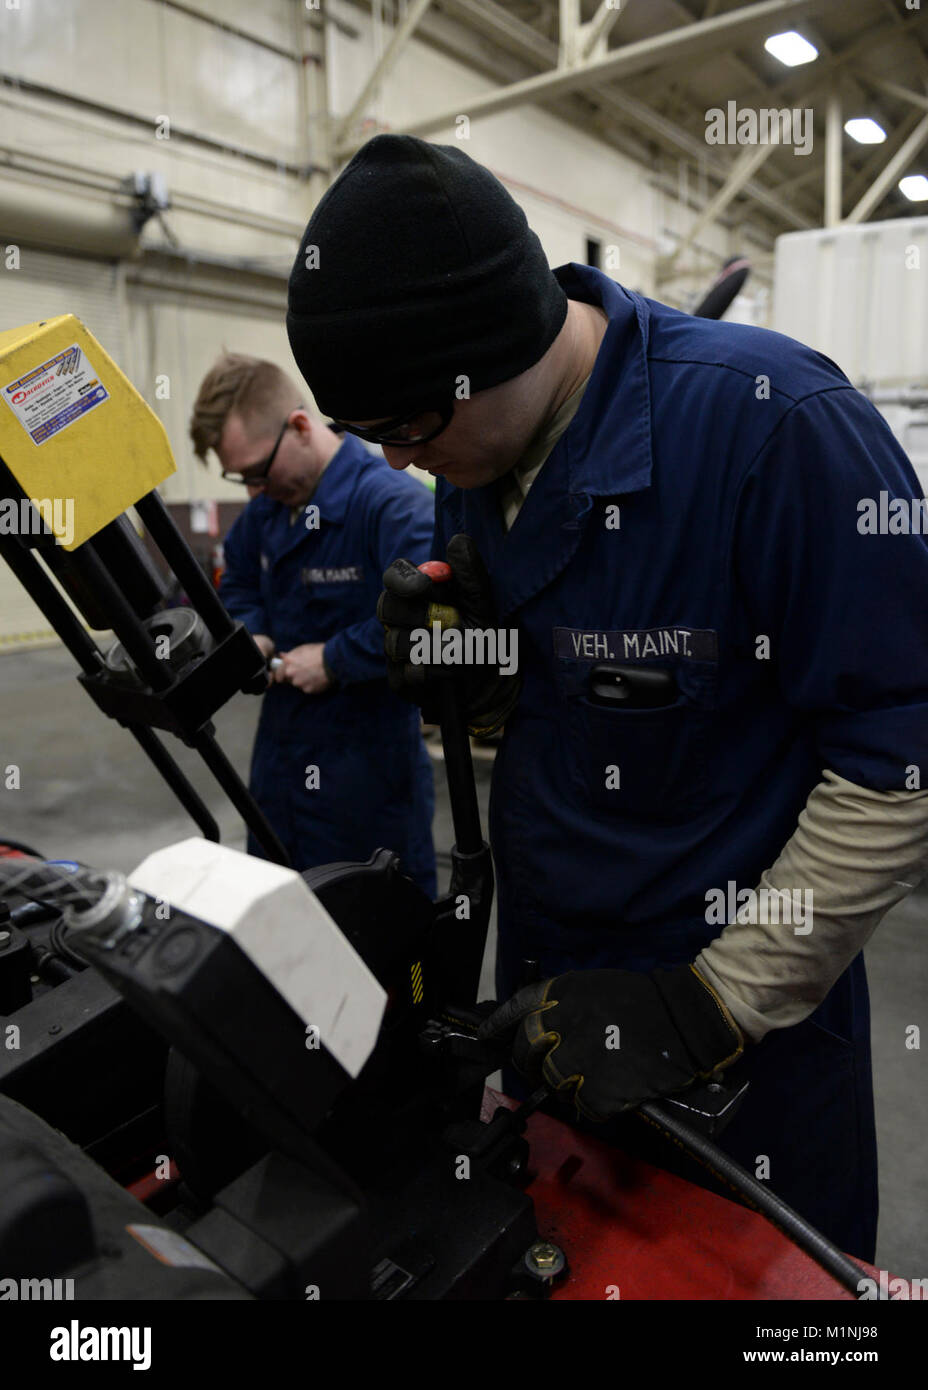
257 476
416 428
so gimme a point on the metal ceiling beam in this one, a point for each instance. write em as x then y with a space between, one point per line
568 33
597 30
894 90
683 70
880 153
816 165
381 70
690 39
872 38
826 74
896 166
790 185
505 61
744 168
505 29
528 44
621 116
579 41
834 155
685 98
697 149
769 195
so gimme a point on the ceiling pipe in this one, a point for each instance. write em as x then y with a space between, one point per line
69 221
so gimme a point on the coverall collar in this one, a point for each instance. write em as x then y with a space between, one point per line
617 402
605 452
332 496
335 487
616 405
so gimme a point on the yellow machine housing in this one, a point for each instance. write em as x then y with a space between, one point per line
73 427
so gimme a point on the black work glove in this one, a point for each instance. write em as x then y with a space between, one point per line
610 1039
411 600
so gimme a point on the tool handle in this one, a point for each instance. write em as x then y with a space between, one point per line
455 739
439 571
442 613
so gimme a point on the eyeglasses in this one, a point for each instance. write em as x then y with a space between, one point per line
417 428
257 476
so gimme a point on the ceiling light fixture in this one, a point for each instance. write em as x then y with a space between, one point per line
791 48
865 131
915 187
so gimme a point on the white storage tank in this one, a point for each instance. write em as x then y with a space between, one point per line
860 295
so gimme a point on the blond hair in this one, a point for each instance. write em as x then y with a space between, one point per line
257 391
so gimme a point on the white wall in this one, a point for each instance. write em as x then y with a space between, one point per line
148 60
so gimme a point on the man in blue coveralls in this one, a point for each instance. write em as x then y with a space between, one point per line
710 785
339 767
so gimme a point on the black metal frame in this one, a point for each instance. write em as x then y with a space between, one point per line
179 700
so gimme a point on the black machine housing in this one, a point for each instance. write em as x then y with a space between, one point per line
135 1083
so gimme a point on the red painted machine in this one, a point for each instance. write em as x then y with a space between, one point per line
631 1231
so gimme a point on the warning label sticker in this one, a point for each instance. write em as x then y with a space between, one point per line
54 395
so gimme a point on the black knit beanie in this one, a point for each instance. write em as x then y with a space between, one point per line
417 268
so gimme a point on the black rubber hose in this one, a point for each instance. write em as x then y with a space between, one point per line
60 947
815 1245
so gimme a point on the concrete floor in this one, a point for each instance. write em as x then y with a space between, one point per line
87 792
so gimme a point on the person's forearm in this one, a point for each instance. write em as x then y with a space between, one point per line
854 854
240 585
356 653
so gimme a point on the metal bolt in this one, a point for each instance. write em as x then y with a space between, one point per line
545 1258
55 1028
5 938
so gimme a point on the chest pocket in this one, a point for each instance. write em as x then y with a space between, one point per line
649 764
335 597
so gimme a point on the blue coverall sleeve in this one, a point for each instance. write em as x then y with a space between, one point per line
845 606
240 585
399 526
